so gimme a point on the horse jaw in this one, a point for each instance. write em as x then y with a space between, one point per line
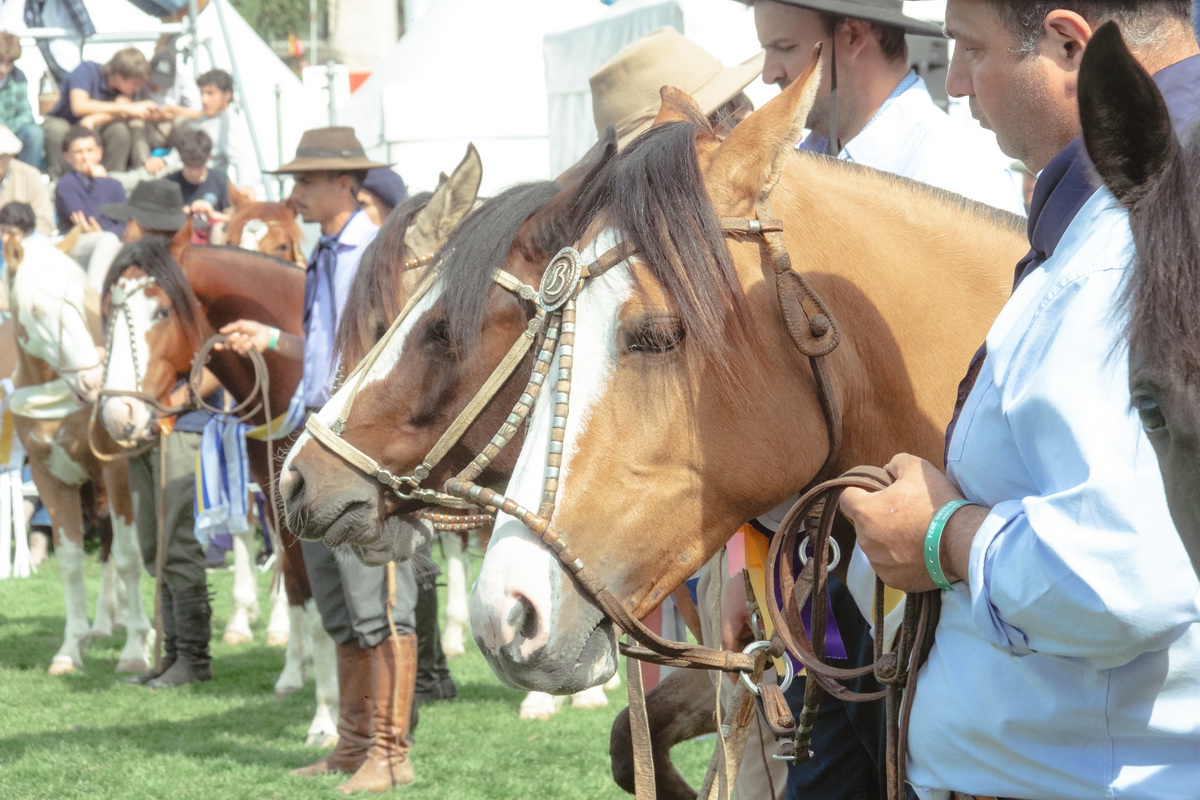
531 621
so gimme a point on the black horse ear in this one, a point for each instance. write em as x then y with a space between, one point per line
1126 126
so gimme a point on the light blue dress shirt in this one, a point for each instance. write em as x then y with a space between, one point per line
325 311
1070 668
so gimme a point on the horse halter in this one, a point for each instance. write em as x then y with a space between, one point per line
813 331
408 487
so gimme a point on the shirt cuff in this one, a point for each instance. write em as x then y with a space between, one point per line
986 616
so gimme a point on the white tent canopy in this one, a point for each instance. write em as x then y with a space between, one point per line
468 71
260 68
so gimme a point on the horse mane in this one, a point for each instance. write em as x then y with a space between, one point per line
374 299
233 248
654 194
153 257
1162 293
481 244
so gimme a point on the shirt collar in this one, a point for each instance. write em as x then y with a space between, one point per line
872 138
357 228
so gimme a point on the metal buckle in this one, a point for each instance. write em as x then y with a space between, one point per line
789 672
802 551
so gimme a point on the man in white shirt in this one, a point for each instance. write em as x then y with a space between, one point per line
880 114
1068 646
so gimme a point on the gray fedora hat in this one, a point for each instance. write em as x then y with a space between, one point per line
885 12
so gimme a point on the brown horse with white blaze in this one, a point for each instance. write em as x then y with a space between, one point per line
691 407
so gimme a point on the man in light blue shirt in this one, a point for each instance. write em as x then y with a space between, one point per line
375 669
1067 657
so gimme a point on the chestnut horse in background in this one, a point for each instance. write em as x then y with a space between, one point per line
1155 174
168 313
266 227
692 407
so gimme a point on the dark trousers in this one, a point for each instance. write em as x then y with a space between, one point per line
352 597
183 558
848 738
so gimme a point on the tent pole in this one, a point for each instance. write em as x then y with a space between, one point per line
193 12
241 90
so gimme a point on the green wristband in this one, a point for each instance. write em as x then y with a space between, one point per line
273 340
933 542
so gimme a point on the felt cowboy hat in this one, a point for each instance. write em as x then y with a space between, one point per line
156 205
328 150
885 12
625 89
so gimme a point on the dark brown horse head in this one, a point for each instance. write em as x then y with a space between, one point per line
433 365
1156 176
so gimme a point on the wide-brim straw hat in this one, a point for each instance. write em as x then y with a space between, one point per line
156 205
625 90
886 12
334 149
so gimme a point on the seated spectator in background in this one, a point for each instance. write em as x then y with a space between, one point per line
205 190
77 199
232 150
15 112
382 191
178 105
21 182
105 99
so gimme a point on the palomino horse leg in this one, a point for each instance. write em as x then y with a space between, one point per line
291 677
126 556
106 600
66 519
456 594
278 625
245 591
323 730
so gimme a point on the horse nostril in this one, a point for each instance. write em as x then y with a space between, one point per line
523 617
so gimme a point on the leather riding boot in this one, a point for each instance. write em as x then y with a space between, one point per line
170 651
354 713
433 675
193 630
388 764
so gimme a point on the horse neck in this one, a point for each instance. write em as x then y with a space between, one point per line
233 284
913 278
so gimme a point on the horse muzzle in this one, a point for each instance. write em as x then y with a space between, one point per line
128 421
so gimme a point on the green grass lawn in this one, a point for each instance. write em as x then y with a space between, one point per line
88 735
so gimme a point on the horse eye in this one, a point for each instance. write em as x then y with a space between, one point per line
655 335
1151 415
438 333
161 313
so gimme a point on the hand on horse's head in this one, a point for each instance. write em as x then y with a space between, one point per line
890 525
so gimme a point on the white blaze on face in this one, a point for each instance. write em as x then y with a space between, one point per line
518 566
252 234
128 419
392 355
52 298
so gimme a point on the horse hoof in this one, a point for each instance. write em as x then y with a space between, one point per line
453 651
321 740
236 637
135 665
590 698
277 639
540 706
283 691
63 666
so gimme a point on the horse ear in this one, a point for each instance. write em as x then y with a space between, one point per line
237 197
677 106
1126 126
451 201
752 157
14 253
133 232
182 239
581 172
